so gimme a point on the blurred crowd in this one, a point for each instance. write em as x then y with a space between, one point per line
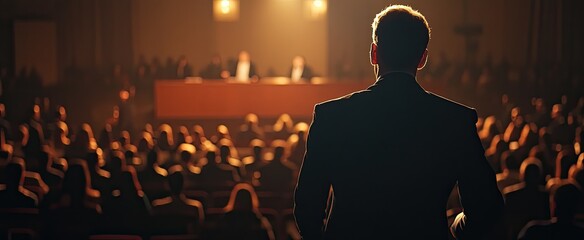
61 181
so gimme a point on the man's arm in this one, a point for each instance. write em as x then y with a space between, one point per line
311 194
479 195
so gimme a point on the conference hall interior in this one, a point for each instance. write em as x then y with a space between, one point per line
188 119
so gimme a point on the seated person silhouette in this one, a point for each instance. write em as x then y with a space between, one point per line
282 127
183 136
242 69
165 138
48 173
145 144
5 126
564 160
214 69
200 140
13 194
526 201
100 178
405 130
215 174
6 151
32 145
183 68
106 137
249 130
527 140
510 170
185 152
73 216
300 71
126 207
562 225
256 160
298 146
513 130
177 205
578 176
278 173
242 219
228 155
83 142
152 177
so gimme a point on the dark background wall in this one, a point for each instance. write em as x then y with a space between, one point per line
100 33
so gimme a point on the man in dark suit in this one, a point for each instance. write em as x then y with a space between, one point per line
242 69
392 153
183 69
300 71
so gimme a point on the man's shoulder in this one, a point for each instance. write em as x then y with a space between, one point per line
449 106
449 103
340 102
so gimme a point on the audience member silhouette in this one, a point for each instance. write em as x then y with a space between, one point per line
562 225
14 195
526 201
256 160
126 207
300 71
183 136
214 69
183 69
100 178
217 175
282 127
32 145
513 130
564 160
5 126
146 143
83 142
578 177
277 174
249 130
74 216
509 170
298 147
165 138
152 178
242 69
106 137
199 140
242 219
48 173
177 205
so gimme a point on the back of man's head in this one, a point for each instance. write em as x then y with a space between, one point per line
565 201
531 171
401 35
176 179
15 173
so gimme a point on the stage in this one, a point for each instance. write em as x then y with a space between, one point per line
217 99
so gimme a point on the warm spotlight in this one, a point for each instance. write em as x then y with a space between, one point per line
226 10
316 9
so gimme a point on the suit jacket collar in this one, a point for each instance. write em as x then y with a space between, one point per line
396 81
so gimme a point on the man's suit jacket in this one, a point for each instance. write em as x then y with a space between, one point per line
392 154
306 73
232 68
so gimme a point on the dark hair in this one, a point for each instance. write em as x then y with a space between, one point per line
401 35
176 180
